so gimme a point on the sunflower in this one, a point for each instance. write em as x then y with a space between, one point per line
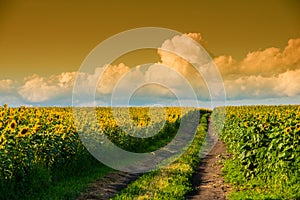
2 114
2 141
23 131
36 128
288 130
298 126
12 125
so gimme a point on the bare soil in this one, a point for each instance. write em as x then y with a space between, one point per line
208 179
108 186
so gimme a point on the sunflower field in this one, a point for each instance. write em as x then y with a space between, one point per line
35 143
264 143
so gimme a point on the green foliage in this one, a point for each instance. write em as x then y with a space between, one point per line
264 142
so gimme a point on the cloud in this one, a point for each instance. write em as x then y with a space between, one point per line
6 85
40 89
291 53
144 83
260 87
267 73
268 62
197 37
227 66
288 83
246 87
185 54
179 80
262 74
110 77
186 46
37 89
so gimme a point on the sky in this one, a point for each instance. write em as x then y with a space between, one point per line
254 44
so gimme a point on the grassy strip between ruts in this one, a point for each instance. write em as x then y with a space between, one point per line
173 181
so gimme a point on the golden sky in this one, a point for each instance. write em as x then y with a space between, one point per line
255 44
50 37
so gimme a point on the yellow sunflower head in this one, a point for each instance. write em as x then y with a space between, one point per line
23 131
2 114
288 130
12 125
2 140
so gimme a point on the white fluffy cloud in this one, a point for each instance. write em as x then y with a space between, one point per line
110 77
6 85
288 83
173 50
268 62
39 89
245 87
263 74
187 56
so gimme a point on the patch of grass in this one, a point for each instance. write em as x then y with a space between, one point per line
276 187
71 187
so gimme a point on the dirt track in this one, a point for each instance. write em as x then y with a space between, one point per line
108 186
207 179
